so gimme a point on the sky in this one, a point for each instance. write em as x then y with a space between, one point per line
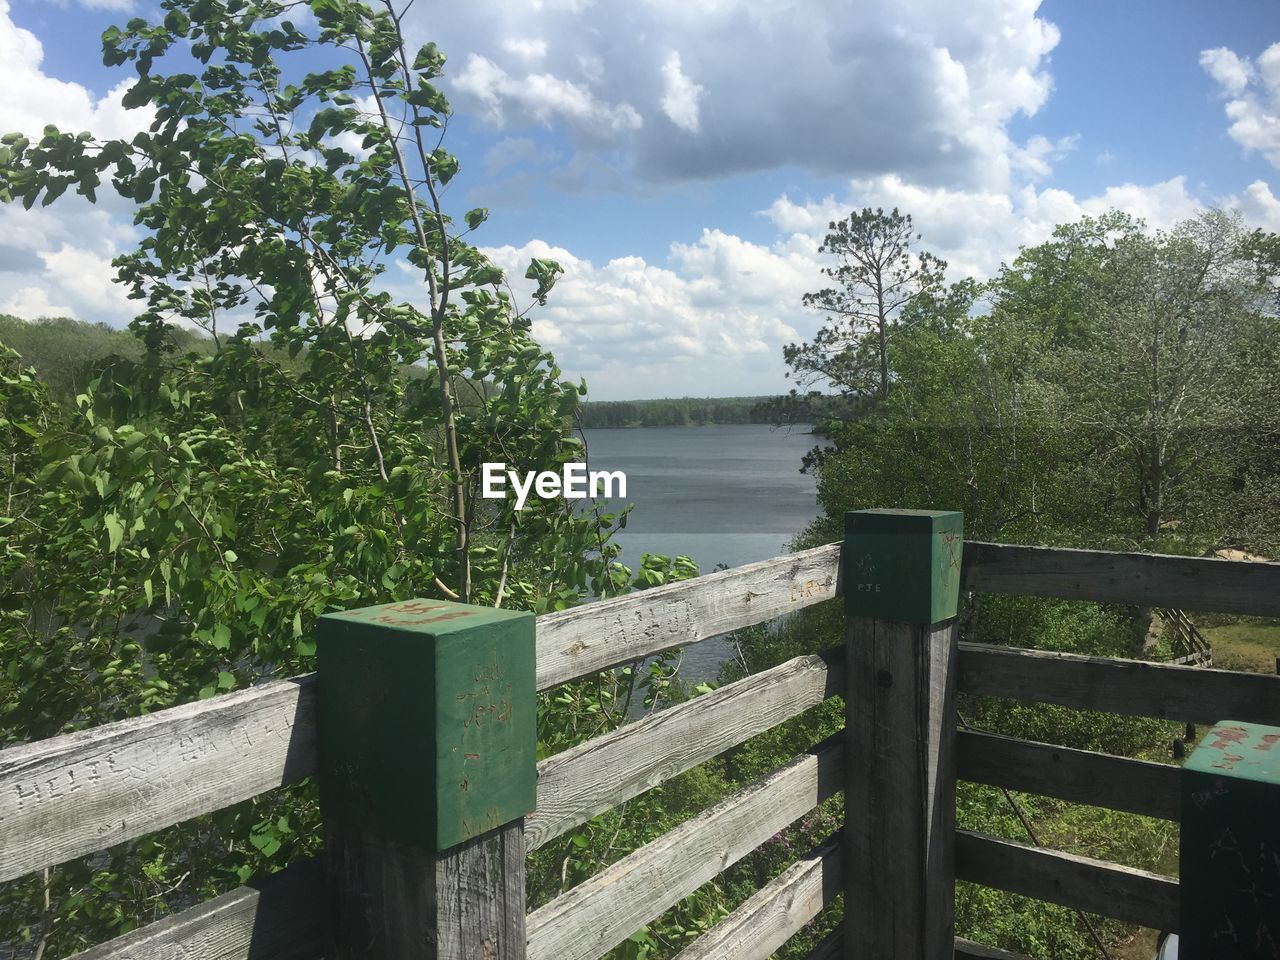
683 160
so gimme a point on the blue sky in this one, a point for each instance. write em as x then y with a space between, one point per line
682 160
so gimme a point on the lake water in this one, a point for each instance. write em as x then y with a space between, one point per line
725 495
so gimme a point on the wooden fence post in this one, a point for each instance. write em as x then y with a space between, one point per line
901 580
1229 845
426 719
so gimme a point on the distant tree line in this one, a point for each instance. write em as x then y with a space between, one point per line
66 352
701 411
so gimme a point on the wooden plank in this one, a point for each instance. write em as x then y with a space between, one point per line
900 793
281 917
1110 685
1080 776
396 900
968 950
596 776
1143 579
75 794
776 912
595 916
1095 886
830 946
597 636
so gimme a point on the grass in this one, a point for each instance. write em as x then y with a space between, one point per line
1251 645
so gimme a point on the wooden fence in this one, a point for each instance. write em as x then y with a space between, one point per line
895 860
1190 646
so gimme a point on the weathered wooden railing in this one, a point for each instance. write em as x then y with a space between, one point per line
1190 646
76 794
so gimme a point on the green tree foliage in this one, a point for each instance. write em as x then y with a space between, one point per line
1118 391
1163 364
876 277
177 529
1115 394
62 350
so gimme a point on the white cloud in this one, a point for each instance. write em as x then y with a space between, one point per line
30 99
1252 91
975 230
73 282
542 97
849 87
120 6
87 279
1036 159
1259 206
680 95
32 303
525 48
57 260
1231 72
718 318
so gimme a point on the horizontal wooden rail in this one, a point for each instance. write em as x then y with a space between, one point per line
831 947
79 793
1080 776
776 912
600 913
596 636
1145 579
596 776
968 950
82 792
281 917
1095 886
1109 685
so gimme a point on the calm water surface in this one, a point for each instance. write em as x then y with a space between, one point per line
724 495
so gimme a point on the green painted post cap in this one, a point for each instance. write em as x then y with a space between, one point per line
1244 751
902 564
427 720
1229 844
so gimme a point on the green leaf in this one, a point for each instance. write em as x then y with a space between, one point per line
443 165
176 21
429 97
55 189
221 636
545 272
477 216
115 531
429 60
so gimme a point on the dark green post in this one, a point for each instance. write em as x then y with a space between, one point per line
1230 845
426 714
901 582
